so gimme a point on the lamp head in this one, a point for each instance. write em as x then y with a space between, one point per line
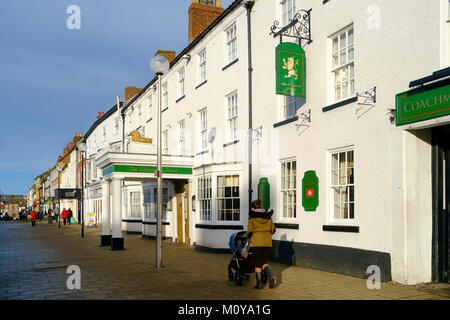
81 146
159 65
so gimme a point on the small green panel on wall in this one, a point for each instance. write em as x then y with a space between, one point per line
310 191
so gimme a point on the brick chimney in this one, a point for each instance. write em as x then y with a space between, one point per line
100 114
201 14
130 92
170 55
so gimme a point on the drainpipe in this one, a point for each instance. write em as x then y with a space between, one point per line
249 5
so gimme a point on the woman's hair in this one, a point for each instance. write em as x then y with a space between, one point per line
256 204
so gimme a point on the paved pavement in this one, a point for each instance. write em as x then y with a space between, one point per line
34 261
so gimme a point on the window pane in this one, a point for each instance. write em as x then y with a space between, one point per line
342 57
350 36
343 40
352 211
337 92
350 53
335 45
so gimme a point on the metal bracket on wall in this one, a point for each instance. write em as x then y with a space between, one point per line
366 101
257 134
299 28
305 119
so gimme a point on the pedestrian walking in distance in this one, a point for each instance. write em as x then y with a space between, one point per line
33 218
64 215
261 229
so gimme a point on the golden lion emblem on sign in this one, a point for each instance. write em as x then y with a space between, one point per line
136 137
290 65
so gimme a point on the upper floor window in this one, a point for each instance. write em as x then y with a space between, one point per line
204 128
181 82
116 124
150 104
232 116
291 106
202 65
343 64
104 133
287 11
165 96
165 142
182 141
231 44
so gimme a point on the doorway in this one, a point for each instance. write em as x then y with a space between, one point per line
182 211
441 203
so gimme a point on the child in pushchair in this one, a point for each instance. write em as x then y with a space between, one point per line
242 261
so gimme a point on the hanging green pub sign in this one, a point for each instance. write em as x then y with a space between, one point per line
310 191
290 66
422 104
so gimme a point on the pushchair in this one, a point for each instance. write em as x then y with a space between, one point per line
242 261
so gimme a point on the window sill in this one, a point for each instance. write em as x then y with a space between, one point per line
231 143
219 227
201 153
293 226
149 120
153 223
230 64
180 98
164 109
282 123
335 228
201 84
340 104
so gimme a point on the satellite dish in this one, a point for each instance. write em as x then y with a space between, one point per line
212 134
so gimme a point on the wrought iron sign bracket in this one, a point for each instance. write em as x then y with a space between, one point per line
299 28
305 118
366 99
258 134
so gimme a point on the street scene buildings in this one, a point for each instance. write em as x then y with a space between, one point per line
355 164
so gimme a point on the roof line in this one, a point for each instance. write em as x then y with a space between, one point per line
219 19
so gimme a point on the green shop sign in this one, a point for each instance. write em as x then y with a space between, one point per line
419 105
145 169
310 191
290 66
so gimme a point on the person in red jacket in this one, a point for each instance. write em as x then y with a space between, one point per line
33 218
64 215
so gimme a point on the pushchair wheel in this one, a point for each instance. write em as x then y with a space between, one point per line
238 278
230 274
264 277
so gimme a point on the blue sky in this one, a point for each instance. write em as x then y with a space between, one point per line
54 81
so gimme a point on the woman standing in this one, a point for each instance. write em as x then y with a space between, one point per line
260 229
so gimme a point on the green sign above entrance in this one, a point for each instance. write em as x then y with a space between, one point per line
290 66
145 169
310 191
418 105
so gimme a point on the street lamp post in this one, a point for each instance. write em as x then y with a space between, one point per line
59 169
82 147
159 65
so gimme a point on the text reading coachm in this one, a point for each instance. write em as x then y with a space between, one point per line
430 102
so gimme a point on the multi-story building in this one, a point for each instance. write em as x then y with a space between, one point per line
373 169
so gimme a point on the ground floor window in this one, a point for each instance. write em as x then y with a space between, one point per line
204 198
228 200
135 205
97 209
289 188
343 185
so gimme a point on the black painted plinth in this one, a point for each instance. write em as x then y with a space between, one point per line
117 244
105 240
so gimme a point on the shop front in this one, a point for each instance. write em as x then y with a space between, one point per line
425 112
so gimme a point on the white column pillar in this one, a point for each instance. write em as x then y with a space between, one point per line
106 214
117 239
